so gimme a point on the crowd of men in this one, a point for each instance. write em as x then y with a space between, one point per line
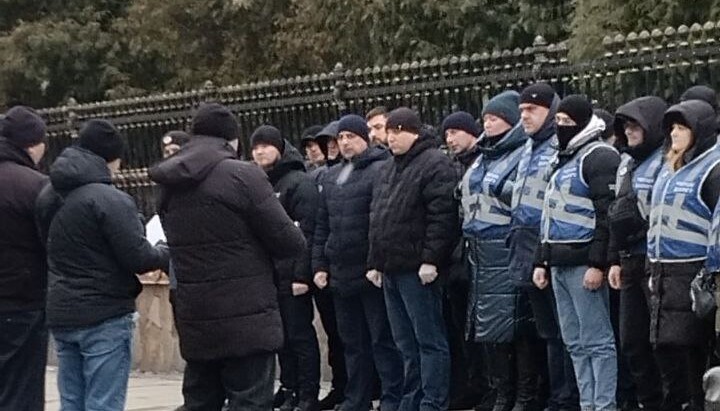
546 256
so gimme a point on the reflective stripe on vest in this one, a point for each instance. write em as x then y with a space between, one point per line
643 178
679 219
713 260
483 212
534 171
568 212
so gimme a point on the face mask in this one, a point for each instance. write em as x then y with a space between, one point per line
566 133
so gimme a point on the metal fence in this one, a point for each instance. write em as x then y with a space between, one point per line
658 62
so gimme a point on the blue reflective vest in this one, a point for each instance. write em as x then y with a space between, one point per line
679 219
568 212
484 214
713 259
533 173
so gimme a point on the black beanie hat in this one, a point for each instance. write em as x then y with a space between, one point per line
703 93
23 127
609 121
175 137
461 120
578 108
269 135
102 138
540 94
505 106
404 119
215 120
354 124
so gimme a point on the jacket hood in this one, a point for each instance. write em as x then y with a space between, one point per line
291 160
648 113
11 152
192 164
591 132
513 139
548 128
700 117
371 155
76 167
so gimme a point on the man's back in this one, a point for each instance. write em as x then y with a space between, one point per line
224 226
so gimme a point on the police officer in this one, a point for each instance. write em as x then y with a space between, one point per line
684 194
574 248
638 130
496 307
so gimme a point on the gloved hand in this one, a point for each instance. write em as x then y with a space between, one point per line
375 277
427 273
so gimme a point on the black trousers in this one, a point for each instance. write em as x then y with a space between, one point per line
23 355
336 355
246 382
682 369
300 357
634 334
468 376
514 372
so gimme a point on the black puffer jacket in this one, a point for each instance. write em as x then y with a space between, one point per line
95 243
224 227
298 195
23 266
414 218
343 220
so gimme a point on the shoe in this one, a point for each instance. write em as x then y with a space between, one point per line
464 401
279 397
525 406
487 403
291 401
331 400
307 405
503 404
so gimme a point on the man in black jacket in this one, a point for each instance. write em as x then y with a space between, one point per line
339 258
95 245
23 269
413 230
297 192
224 227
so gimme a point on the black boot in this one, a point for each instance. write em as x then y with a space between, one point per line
291 401
279 398
307 405
333 398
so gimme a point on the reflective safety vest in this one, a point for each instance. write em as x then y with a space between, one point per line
568 212
679 219
713 259
484 214
643 178
533 173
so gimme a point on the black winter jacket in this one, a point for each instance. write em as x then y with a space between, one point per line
224 227
23 266
414 217
298 194
95 243
599 171
343 220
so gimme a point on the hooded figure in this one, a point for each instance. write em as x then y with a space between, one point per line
639 136
684 193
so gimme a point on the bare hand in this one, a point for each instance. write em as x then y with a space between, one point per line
593 279
299 289
375 277
540 278
427 273
321 279
615 277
